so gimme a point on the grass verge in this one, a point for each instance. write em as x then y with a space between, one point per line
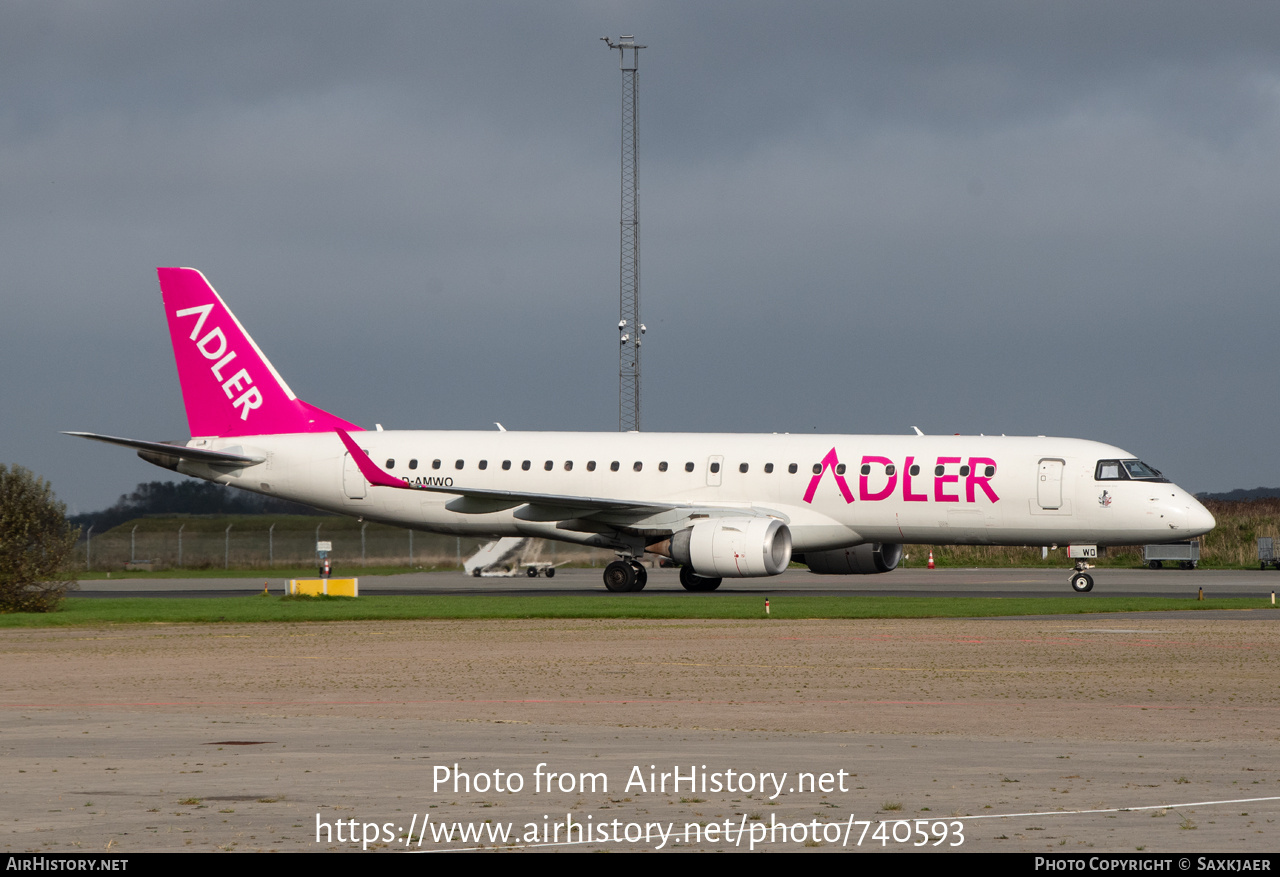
96 612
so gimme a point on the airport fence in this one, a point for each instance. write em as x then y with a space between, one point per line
240 544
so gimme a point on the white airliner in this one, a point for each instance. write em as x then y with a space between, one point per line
720 505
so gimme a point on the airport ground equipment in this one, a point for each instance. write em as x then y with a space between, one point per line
1266 553
509 556
1186 554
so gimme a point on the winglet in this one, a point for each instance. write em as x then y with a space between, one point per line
368 468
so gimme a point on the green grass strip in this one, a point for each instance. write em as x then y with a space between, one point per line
85 612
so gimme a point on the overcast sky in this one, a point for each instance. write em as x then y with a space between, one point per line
1002 217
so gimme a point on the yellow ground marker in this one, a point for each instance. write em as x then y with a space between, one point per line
332 587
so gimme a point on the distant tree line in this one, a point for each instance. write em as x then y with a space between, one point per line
1242 495
186 498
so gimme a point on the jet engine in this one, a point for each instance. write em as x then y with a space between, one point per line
732 547
860 560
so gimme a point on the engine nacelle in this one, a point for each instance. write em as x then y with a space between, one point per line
860 560
734 547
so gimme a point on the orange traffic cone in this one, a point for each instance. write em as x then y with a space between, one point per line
930 560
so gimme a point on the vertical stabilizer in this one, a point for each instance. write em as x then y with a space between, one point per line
229 386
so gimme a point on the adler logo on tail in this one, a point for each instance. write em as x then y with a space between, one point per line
213 346
229 386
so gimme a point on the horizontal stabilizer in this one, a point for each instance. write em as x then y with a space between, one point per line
177 452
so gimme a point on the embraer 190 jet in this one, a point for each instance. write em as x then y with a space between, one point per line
719 505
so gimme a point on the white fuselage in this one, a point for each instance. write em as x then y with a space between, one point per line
992 489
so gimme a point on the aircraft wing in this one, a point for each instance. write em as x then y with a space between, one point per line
176 452
479 499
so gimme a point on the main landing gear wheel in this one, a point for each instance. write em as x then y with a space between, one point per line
621 576
1081 582
642 575
694 582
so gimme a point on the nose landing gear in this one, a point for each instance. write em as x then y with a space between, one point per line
1081 581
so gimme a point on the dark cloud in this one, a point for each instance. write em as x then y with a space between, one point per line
980 217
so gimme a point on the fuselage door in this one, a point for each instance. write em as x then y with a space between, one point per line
1049 484
353 483
715 469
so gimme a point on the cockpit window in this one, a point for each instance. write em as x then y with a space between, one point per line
1126 470
1109 470
1140 471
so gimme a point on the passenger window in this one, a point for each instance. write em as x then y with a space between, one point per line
989 471
742 467
662 467
637 466
688 467
413 464
483 464
715 467
547 465
525 465
768 468
506 464
890 469
817 468
568 465
793 468
840 469
613 467
391 464
939 471
591 465
435 464
964 470
915 470
866 469
458 465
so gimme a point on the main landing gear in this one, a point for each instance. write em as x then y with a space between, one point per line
625 575
695 582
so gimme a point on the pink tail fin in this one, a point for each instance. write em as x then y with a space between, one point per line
228 385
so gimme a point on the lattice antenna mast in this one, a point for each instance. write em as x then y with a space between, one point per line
629 326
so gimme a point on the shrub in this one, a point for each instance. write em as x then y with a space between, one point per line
35 544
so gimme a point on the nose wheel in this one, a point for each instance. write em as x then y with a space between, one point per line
1081 582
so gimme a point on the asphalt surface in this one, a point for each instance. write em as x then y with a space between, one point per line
901 582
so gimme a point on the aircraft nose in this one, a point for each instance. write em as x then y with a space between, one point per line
1199 519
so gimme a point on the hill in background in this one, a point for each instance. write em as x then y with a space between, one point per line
1242 495
187 498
